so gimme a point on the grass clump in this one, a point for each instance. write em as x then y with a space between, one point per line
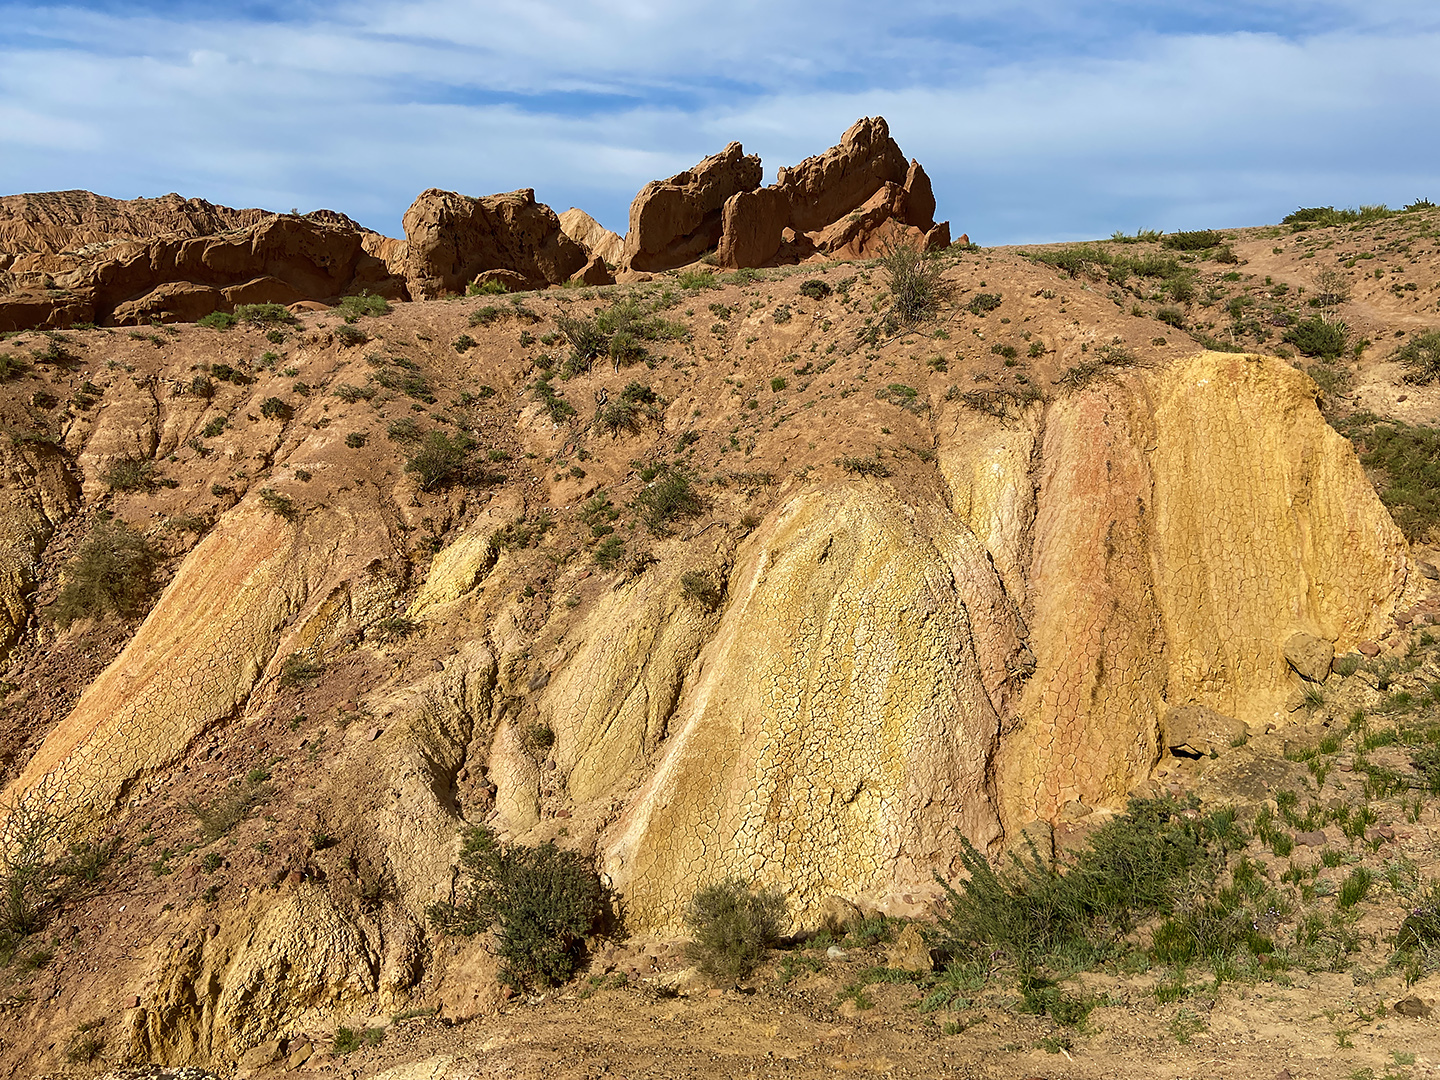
12 367
669 498
983 303
113 573
732 926
543 903
637 402
348 335
1421 357
129 474
218 815
815 289
265 315
217 320
620 333
1197 240
913 279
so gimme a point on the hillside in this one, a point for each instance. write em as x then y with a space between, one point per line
755 573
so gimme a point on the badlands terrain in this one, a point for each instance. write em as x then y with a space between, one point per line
779 541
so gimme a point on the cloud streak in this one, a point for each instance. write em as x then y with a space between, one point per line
1037 119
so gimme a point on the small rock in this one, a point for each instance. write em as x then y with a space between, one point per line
834 952
299 1054
437 665
1074 810
258 1057
374 734
1412 1007
909 952
1311 839
1403 618
838 914
1368 648
1428 569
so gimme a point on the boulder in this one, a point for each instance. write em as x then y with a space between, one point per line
592 236
753 227
1309 656
171 302
1197 731
594 272
675 221
451 238
508 279
908 952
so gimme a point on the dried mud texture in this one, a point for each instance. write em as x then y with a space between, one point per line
199 654
1187 523
842 728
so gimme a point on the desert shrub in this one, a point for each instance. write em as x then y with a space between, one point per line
129 474
264 314
1171 316
1405 462
982 303
543 903
464 343
1418 939
12 367
348 335
219 814
1421 357
1198 240
441 459
782 314
1318 336
279 503
670 497
907 397
732 926
393 628
217 320
778 383
113 573
352 307
536 740
1323 216
815 289
619 332
913 279
274 408
697 279
486 288
85 1045
1103 363
609 552
700 587
202 386
871 466
404 429
1143 863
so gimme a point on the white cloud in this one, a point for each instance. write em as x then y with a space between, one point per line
1076 123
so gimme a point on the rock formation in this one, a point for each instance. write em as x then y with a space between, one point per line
592 236
675 221
451 239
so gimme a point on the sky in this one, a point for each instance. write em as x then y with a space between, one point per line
1037 120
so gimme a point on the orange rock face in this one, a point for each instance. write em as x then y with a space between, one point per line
451 239
675 221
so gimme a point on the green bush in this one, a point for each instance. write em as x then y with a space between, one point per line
1318 336
1405 461
543 902
348 335
217 320
700 587
1193 241
274 408
732 926
464 343
1171 316
12 367
982 303
609 552
559 409
670 497
486 288
202 386
355 439
1421 357
279 503
815 289
352 307
441 459
913 279
264 314
113 573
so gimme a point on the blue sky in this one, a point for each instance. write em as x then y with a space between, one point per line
1036 119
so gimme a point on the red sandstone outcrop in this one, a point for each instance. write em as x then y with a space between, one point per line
78 257
451 239
592 236
852 201
675 221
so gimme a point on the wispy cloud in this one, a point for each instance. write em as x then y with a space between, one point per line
1037 119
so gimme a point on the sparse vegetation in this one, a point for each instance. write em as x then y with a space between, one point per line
441 459
667 499
1318 336
353 307
265 315
544 903
112 574
1405 460
913 278
1421 357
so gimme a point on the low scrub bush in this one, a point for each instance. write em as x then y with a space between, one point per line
274 408
1198 240
221 813
264 315
352 307
732 926
217 320
113 573
983 303
1318 336
669 498
543 903
129 474
1404 461
619 333
12 367
441 459
815 289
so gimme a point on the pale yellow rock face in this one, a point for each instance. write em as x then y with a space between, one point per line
200 652
1188 522
609 705
840 731
35 494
